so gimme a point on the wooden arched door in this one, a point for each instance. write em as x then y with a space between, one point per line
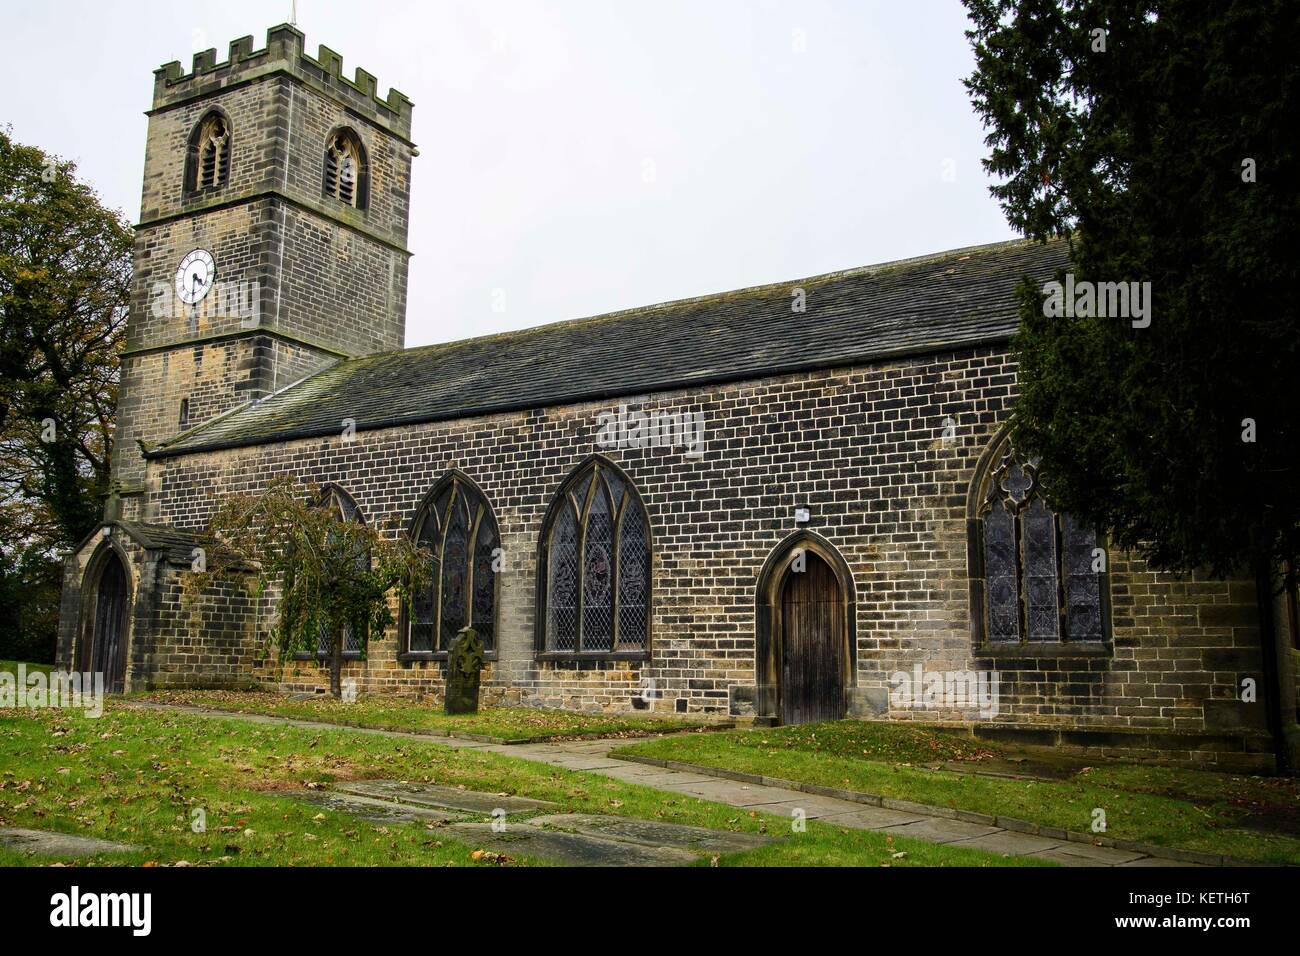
108 641
814 645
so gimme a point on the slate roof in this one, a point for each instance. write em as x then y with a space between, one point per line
177 544
951 300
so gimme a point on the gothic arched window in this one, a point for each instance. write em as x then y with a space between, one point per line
594 569
346 172
457 526
208 160
335 498
1037 575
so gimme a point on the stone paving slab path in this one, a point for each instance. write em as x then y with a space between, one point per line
631 773
943 830
1105 855
662 779
734 794
1003 841
774 801
871 818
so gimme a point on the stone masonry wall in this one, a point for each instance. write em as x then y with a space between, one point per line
339 287
213 377
864 450
203 639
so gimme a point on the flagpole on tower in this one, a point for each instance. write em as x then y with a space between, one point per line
293 13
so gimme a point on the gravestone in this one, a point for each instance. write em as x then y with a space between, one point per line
50 843
448 798
464 669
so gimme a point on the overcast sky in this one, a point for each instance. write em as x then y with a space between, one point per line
581 156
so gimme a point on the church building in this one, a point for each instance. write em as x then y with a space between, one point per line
780 504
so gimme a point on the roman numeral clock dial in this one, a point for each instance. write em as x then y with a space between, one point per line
195 276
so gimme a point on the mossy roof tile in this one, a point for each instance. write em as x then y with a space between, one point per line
956 299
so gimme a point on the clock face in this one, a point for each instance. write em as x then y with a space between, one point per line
195 276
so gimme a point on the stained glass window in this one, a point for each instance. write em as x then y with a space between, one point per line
597 550
486 553
1042 581
615 483
633 579
457 528
1000 575
598 577
562 601
455 574
1042 610
424 619
1083 580
334 497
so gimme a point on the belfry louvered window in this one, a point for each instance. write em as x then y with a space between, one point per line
346 175
595 567
208 163
1041 576
340 501
458 528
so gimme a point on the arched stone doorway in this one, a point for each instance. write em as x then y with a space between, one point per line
104 642
806 624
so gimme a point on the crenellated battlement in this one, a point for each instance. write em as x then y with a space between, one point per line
284 51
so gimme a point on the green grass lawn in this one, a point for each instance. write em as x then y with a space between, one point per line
389 713
1254 818
12 667
136 776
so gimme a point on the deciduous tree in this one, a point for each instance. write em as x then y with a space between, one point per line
332 573
65 272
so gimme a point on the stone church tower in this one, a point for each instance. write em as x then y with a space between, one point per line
272 238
